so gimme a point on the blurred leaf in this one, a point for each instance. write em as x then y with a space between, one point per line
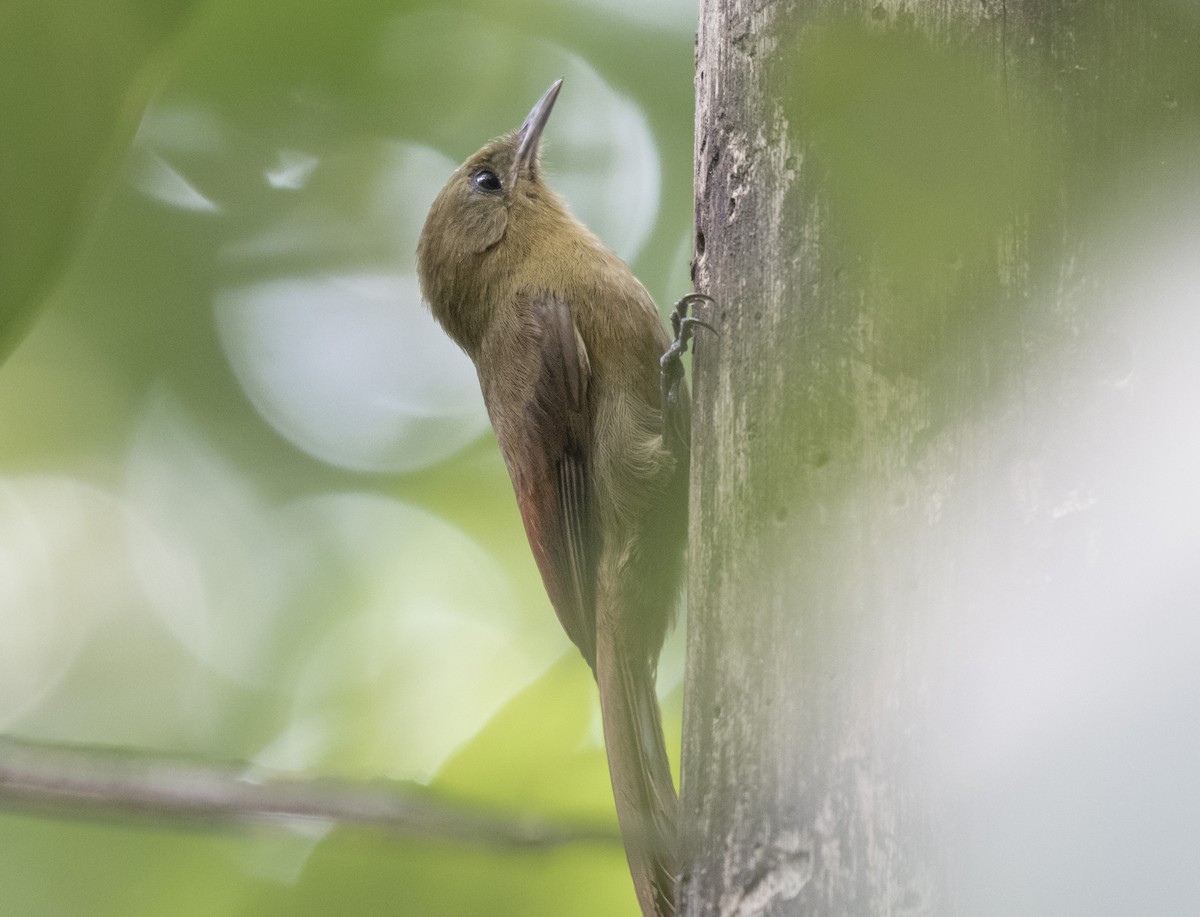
178 873
356 873
537 754
76 77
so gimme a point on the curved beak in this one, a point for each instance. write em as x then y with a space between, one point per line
530 135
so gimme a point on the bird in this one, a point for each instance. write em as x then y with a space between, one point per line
585 390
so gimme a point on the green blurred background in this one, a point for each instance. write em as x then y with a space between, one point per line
250 506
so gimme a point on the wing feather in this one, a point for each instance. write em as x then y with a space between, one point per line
553 480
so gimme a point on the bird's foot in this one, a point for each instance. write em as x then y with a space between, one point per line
671 364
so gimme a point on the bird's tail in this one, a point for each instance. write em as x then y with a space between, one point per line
641 776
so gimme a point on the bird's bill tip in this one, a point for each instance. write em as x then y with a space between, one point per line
531 131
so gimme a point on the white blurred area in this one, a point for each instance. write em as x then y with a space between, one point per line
1064 625
344 360
352 369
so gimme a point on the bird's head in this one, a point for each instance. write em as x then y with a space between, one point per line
494 200
473 211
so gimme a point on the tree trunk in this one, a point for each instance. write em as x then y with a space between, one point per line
943 550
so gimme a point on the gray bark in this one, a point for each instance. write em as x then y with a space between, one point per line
944 451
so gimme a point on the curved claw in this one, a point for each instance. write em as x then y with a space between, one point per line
689 320
679 314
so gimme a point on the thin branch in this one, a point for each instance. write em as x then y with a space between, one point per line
89 782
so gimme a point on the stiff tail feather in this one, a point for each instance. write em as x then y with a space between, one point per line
647 806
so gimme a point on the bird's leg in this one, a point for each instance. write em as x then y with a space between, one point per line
671 366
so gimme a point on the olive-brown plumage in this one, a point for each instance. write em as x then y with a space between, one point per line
567 343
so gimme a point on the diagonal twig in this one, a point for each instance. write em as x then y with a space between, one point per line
91 782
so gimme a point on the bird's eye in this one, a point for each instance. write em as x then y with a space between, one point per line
486 180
